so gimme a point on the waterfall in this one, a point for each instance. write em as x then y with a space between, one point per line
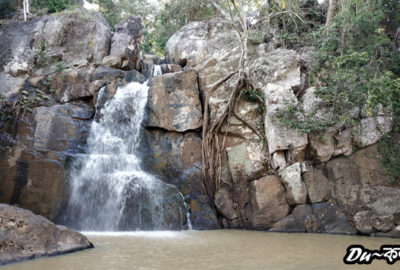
109 189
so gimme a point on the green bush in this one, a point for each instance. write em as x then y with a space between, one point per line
51 5
4 8
356 66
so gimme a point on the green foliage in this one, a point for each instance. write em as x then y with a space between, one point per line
116 11
51 5
294 117
292 30
356 66
251 94
389 149
59 66
42 58
4 8
174 15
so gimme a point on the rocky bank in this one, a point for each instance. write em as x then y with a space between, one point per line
24 235
291 181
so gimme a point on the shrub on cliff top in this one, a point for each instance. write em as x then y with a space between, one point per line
51 5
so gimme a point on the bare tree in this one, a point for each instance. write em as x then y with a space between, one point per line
235 13
331 12
25 4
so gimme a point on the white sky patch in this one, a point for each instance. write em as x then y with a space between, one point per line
90 6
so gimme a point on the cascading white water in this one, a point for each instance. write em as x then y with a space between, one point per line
109 190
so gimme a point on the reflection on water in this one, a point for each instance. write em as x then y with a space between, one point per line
226 249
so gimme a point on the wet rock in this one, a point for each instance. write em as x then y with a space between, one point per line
346 180
301 220
60 127
147 65
170 68
305 217
296 190
318 185
34 180
395 233
35 158
288 224
127 65
142 210
112 61
332 218
134 76
174 103
319 217
126 40
27 236
268 201
225 205
107 73
176 159
362 221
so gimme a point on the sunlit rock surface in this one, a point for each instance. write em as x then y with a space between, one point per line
25 235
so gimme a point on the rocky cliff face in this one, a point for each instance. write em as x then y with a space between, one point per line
291 181
330 182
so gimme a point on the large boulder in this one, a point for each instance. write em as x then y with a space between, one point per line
62 127
318 186
25 235
319 217
370 130
346 180
125 42
246 160
371 170
196 42
174 102
333 219
268 202
382 200
296 190
49 44
34 180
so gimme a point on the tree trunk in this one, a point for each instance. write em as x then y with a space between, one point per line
25 8
331 12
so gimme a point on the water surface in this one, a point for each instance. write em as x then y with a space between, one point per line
223 249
